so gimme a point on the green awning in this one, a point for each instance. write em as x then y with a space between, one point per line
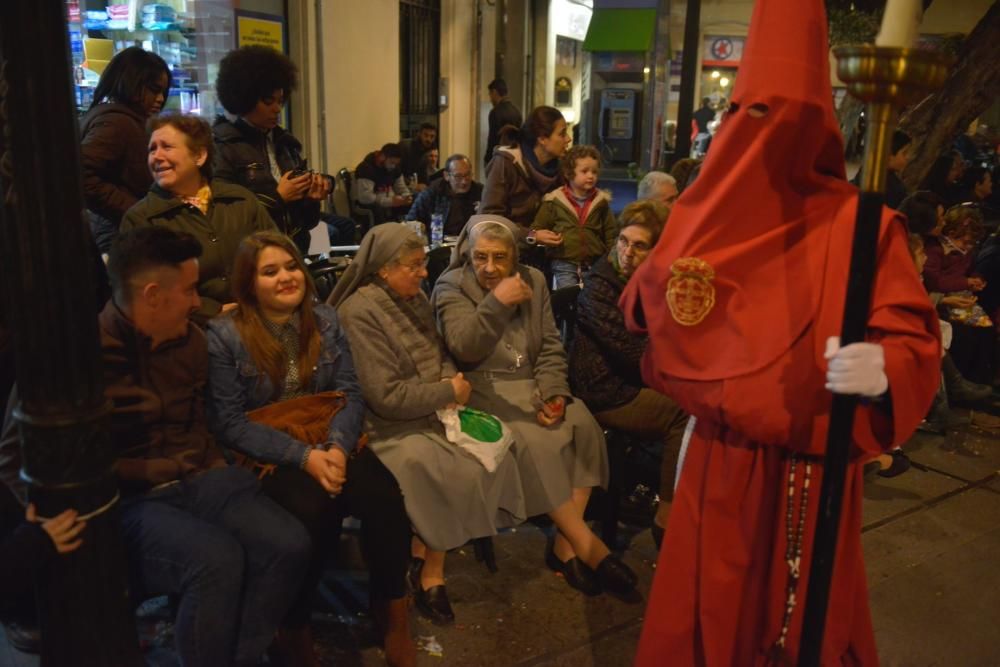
621 30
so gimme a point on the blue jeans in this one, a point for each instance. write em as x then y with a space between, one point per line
234 556
340 229
565 274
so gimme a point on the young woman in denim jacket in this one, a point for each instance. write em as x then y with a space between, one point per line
277 345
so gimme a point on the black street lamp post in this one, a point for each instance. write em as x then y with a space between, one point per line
46 276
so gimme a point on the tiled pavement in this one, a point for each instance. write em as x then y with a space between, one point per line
931 539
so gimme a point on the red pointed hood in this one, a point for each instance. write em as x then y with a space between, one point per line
757 217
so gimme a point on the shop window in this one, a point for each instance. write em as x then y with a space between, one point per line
419 63
192 36
717 84
566 50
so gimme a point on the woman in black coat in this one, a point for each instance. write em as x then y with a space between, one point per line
251 150
604 358
133 87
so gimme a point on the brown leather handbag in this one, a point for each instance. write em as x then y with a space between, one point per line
306 418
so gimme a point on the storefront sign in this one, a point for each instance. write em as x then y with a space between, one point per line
256 29
618 62
569 19
564 92
722 51
253 28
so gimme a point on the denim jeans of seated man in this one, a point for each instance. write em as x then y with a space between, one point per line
234 556
565 274
340 230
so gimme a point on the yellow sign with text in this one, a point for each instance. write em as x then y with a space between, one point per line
260 32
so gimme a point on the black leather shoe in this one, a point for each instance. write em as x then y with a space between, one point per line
618 579
433 603
578 575
413 575
900 464
551 561
23 637
574 571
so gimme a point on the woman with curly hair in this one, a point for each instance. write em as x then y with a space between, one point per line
604 359
950 261
253 84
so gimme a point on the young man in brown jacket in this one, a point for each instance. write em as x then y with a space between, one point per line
192 525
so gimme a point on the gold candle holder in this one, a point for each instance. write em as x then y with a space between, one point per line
885 79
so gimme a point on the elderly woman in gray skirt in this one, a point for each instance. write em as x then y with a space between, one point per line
496 320
406 376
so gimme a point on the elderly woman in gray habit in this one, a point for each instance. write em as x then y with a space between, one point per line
406 376
496 320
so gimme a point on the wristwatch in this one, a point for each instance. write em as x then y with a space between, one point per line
530 238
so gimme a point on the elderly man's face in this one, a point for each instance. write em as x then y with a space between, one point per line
459 176
666 194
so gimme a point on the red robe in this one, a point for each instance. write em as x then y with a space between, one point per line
739 296
719 594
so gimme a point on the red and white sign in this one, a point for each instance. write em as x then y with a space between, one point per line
722 51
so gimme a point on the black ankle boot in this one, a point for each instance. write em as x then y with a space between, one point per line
959 389
618 579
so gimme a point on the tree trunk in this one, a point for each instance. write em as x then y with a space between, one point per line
848 117
970 89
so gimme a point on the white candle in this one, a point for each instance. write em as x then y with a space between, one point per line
900 23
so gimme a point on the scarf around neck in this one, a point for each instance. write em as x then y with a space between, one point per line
549 170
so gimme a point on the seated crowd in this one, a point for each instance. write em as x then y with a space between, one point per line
250 418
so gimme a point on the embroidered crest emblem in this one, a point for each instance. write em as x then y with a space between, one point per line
690 293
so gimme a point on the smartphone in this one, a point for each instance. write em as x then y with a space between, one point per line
296 173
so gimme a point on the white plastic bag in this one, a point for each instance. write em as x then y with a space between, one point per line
478 433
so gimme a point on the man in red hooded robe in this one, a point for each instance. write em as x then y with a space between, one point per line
740 299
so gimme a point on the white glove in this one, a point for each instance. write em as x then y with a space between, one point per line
858 368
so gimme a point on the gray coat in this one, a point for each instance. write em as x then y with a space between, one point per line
449 496
474 324
513 357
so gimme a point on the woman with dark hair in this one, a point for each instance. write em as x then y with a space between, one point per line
684 172
133 87
278 346
944 176
977 185
185 198
253 84
924 211
524 167
604 358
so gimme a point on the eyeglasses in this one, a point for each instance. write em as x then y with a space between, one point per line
461 177
416 267
484 258
638 246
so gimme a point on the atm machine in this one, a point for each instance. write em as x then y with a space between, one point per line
618 127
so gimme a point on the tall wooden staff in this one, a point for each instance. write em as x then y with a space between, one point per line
886 77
